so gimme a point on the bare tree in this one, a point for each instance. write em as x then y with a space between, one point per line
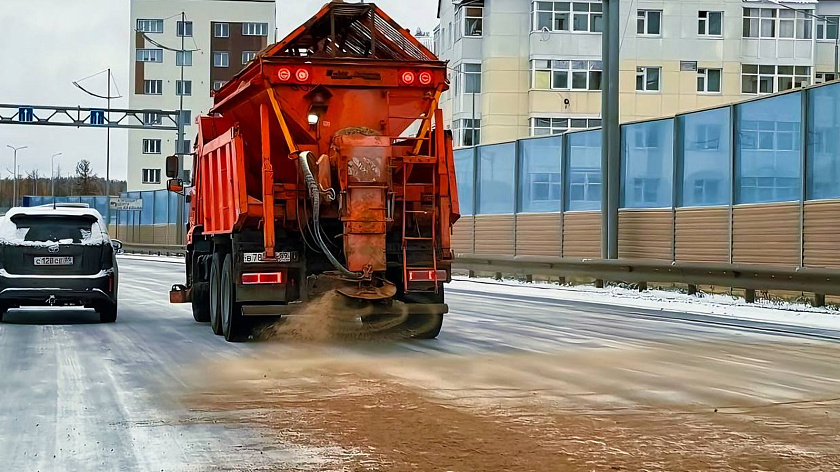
85 178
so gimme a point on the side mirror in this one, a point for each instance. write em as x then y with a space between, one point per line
117 245
175 185
172 166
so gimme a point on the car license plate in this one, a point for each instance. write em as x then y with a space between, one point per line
256 257
53 261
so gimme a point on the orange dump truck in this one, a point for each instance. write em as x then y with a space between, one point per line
323 169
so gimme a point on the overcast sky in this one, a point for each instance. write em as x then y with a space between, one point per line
47 44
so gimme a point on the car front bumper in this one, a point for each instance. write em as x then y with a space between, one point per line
58 290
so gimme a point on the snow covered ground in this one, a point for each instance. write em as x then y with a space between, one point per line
725 306
150 257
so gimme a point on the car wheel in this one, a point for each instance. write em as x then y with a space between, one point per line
108 313
215 295
232 320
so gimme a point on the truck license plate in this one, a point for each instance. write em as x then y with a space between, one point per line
53 261
256 257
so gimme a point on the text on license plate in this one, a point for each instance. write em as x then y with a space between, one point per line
254 257
53 261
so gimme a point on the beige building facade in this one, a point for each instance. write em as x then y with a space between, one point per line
219 37
526 67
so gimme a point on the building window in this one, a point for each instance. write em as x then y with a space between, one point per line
647 79
580 17
547 126
466 132
248 56
150 26
151 176
792 25
221 59
822 77
186 117
185 29
221 30
710 23
152 87
437 50
467 78
760 22
649 22
827 28
708 80
218 84
566 75
183 87
151 118
763 79
469 21
151 146
183 58
149 55
254 29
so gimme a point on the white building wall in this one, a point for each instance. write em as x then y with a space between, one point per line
507 46
201 13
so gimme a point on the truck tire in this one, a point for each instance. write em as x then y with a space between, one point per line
233 323
215 293
201 301
424 326
107 312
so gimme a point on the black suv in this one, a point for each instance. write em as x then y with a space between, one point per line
58 256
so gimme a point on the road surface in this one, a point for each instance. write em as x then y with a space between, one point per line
511 384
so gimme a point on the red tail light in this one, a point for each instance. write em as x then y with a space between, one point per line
284 74
262 278
426 275
407 77
425 78
302 75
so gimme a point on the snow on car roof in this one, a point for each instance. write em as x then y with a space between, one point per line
57 211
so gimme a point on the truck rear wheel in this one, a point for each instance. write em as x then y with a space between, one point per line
215 293
424 326
233 323
201 301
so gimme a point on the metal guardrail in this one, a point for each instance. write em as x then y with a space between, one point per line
820 282
154 249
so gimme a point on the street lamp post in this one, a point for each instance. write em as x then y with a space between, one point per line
15 166
52 175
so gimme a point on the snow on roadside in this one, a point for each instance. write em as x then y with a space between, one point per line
724 306
151 257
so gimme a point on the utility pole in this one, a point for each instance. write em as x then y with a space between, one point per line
15 167
611 133
52 175
108 151
180 141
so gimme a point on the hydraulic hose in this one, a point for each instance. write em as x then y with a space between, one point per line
315 195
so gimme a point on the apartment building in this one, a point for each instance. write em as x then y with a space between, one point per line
219 37
528 67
